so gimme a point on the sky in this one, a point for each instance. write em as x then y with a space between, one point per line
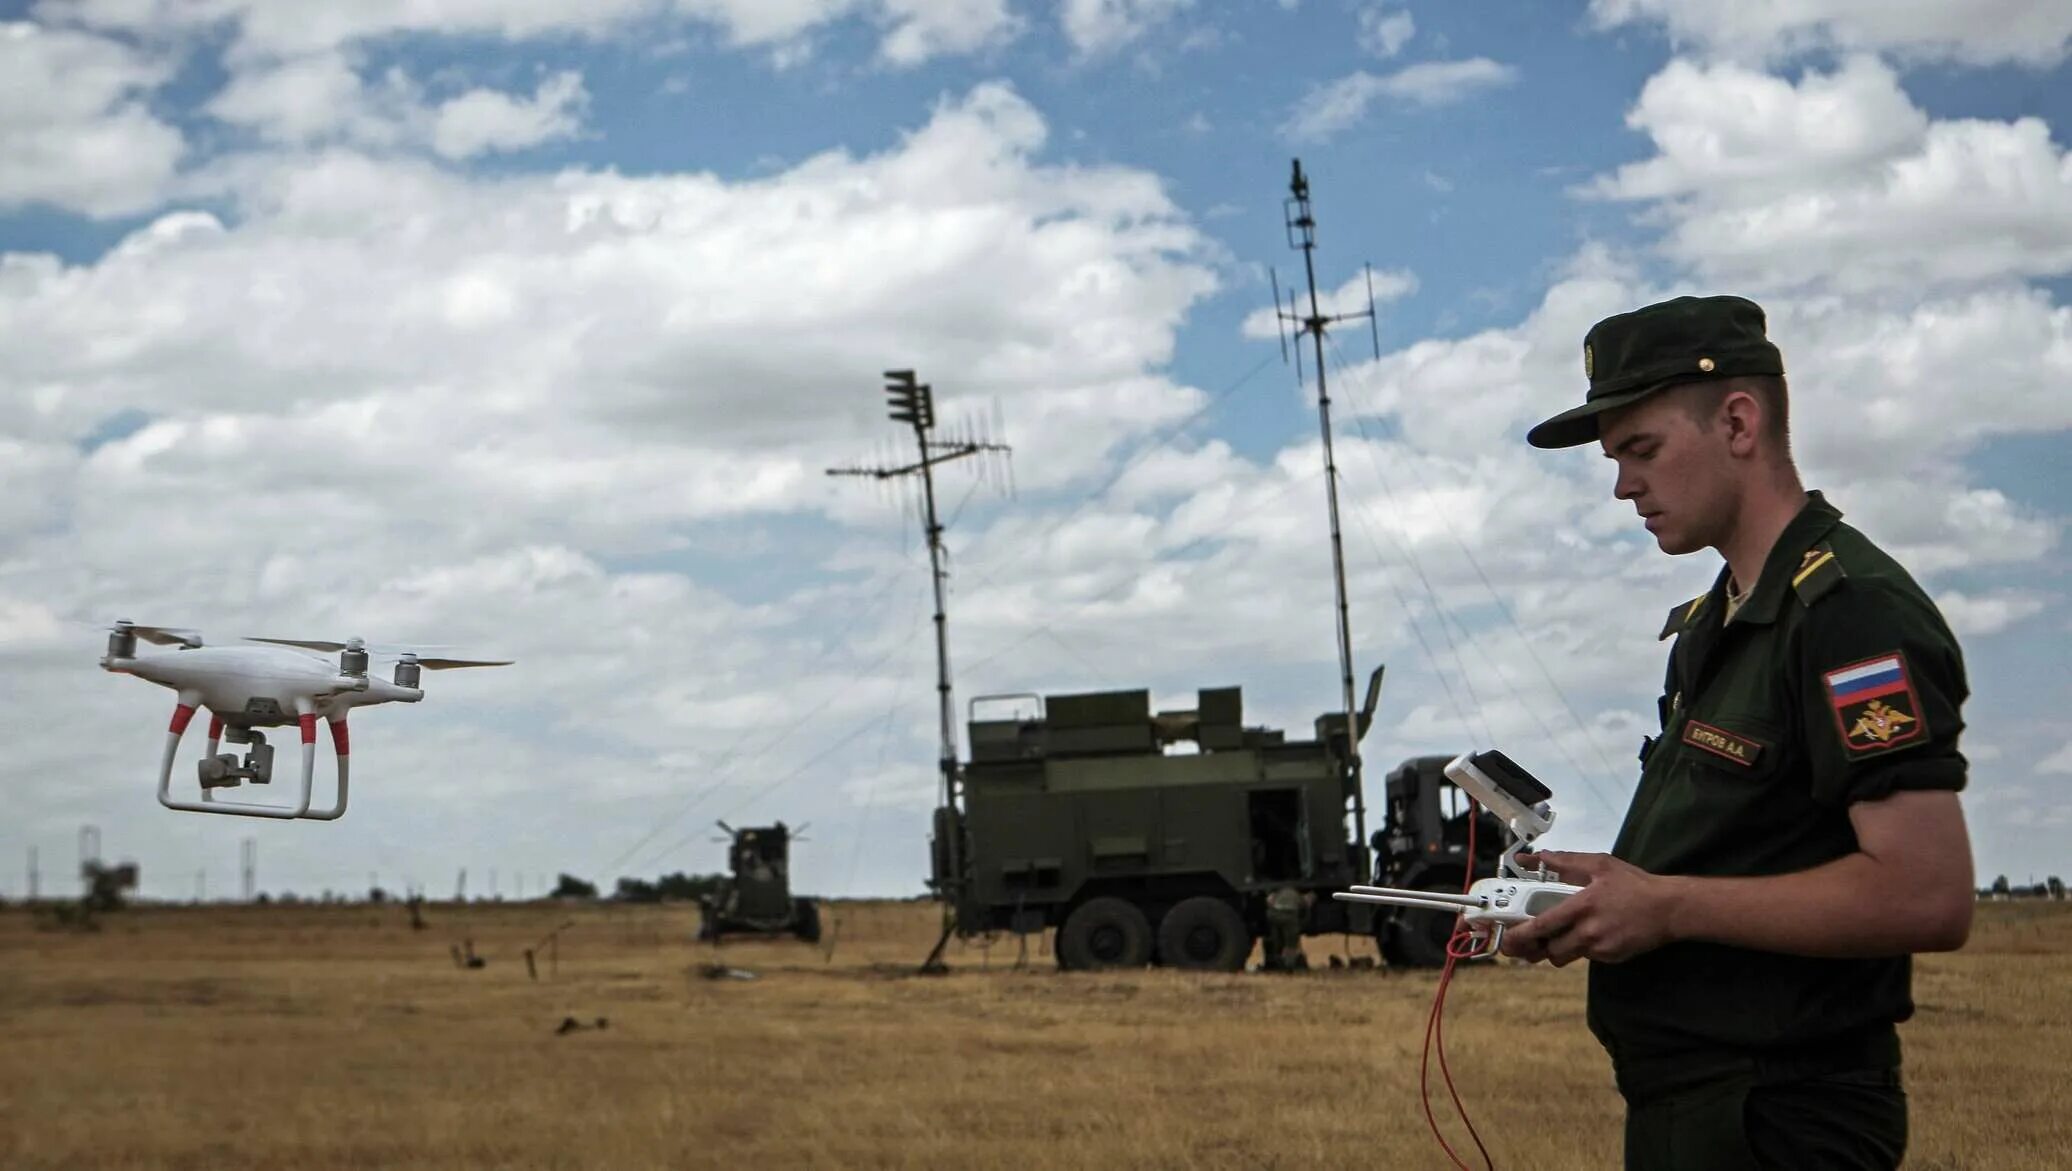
529 330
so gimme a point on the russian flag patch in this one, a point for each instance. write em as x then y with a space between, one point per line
1875 705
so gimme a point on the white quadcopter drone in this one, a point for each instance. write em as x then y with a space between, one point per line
247 688
1511 896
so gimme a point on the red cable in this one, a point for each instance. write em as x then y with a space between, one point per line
1459 946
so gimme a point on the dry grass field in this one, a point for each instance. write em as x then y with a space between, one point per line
335 1037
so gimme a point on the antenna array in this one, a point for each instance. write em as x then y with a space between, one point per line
913 403
1302 236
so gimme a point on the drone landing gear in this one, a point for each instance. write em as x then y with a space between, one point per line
220 771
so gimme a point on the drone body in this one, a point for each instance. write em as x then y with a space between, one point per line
249 688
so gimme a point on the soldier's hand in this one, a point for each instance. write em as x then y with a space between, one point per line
1621 912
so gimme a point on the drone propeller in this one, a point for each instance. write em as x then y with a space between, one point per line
351 644
354 651
450 664
183 637
308 644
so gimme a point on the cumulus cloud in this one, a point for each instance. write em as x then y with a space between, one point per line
1970 615
264 33
1840 180
547 416
484 120
1336 106
75 130
262 29
1384 32
2057 763
323 98
1978 32
1103 26
921 30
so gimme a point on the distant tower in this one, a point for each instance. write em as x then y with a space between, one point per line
913 403
1302 237
89 853
250 861
35 876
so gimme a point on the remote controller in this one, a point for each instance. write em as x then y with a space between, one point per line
1511 896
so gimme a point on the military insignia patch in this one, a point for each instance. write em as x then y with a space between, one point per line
1589 362
1722 743
1875 705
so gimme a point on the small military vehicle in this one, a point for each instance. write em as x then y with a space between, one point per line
1424 846
756 898
1081 816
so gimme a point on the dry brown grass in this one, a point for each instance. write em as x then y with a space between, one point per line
325 1037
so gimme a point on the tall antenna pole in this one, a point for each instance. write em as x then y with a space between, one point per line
1302 235
250 861
913 403
89 853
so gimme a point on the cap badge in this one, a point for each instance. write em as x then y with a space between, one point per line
1705 364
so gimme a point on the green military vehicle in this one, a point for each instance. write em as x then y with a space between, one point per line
1075 812
756 898
1079 816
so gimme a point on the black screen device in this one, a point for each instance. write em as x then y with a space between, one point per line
1511 778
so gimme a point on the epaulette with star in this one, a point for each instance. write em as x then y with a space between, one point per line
1818 573
1680 616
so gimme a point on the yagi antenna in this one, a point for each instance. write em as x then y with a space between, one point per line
1280 320
1373 318
912 402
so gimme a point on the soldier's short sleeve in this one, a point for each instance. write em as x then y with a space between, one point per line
1882 684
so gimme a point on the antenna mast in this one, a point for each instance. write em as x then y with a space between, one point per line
914 403
1302 236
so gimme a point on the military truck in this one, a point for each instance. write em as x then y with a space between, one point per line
1085 814
756 898
1423 845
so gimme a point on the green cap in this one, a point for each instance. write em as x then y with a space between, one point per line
1633 355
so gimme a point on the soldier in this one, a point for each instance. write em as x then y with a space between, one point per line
1796 834
1284 911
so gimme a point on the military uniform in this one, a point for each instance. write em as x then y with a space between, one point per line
1833 681
1284 910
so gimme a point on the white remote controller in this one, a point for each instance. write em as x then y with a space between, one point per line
1510 896
1490 902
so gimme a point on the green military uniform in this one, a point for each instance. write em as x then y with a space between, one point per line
1284 910
1833 681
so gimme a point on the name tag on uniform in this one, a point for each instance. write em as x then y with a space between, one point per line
1722 743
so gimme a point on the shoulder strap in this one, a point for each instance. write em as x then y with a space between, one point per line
1680 616
1819 572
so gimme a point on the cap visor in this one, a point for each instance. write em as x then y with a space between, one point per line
1578 425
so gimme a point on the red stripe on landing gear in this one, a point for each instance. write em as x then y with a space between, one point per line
215 726
338 740
309 729
181 715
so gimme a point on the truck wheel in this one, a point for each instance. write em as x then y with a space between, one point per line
805 920
1104 933
1204 934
